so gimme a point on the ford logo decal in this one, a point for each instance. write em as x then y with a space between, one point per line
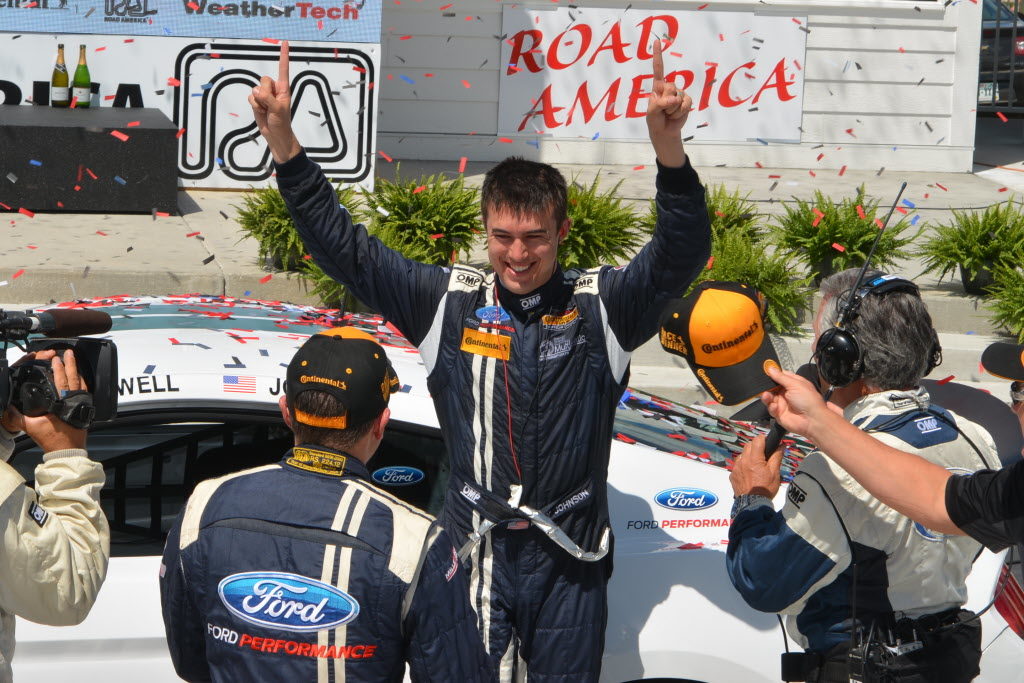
286 601
685 499
398 475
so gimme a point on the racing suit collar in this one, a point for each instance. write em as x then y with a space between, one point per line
325 461
889 402
540 299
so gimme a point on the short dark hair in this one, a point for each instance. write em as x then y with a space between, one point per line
322 404
524 188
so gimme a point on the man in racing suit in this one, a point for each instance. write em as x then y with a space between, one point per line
526 366
56 541
868 591
305 570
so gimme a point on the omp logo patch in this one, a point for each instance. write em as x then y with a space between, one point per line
470 494
38 514
796 495
468 279
529 302
927 425
483 344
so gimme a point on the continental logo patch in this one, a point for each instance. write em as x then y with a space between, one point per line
483 344
321 462
560 320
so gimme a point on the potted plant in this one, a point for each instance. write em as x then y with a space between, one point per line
828 236
1006 299
976 243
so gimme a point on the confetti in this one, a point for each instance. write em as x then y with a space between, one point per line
25 212
941 187
407 79
132 124
860 212
465 83
842 170
101 233
35 163
1002 117
838 247
505 140
946 380
437 236
711 262
18 274
638 168
818 215
193 234
91 174
419 189
265 279
119 179
462 165
173 82
1003 189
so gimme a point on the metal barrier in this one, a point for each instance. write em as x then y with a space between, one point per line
1001 64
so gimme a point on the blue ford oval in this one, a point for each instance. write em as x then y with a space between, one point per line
287 601
685 499
398 475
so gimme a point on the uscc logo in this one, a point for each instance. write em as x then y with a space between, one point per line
287 601
398 475
128 10
685 499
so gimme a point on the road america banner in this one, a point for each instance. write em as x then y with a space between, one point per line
576 72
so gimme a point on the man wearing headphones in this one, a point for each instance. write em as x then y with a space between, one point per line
869 593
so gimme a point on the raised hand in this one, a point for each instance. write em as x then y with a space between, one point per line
667 111
271 103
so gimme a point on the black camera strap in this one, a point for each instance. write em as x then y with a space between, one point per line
76 408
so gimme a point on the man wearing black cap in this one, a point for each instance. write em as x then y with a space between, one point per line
870 594
306 571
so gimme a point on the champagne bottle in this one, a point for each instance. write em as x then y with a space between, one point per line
81 85
59 92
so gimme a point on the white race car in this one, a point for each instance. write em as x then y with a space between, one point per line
199 382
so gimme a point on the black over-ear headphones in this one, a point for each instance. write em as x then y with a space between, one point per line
838 354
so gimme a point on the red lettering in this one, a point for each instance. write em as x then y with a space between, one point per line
303 8
687 78
636 94
332 652
526 55
244 640
291 647
544 107
351 11
357 651
724 98
665 523
257 643
317 650
617 46
586 35
318 12
647 28
709 81
370 649
278 644
268 645
778 81
583 100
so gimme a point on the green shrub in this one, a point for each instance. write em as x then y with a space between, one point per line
728 211
1006 300
330 292
976 242
604 228
264 217
430 219
802 235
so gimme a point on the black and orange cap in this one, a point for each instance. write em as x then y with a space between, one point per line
1004 360
351 366
719 329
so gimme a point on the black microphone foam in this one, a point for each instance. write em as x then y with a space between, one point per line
65 322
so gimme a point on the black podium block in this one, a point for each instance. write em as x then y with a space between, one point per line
68 160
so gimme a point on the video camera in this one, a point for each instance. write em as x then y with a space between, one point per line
30 387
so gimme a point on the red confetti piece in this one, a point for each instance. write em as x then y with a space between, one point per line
818 215
91 174
405 38
901 210
307 257
428 75
214 55
437 236
711 262
445 7
193 234
462 164
5 206
639 168
384 156
107 98
161 214
419 189
622 437
18 274
60 205
1002 117
878 222
181 131
272 41
101 49
265 279
359 69
101 233
842 170
26 212
1003 189
173 82
860 212
194 6
132 124
78 188
320 25
821 155
797 21
813 174
946 380
466 84
119 135
702 6
798 67
74 101
901 50
774 176
505 140
129 40
838 247
758 164
849 131
31 246
941 187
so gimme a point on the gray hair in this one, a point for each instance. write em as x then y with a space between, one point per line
894 331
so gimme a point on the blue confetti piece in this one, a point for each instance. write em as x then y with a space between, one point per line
970 332
909 204
121 180
220 162
533 143
35 163
167 31
247 293
149 369
763 142
408 80
197 94
596 136
264 353
206 86
914 220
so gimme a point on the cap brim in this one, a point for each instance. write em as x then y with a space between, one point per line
737 383
1004 360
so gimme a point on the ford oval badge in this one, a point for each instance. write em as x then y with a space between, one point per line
685 499
398 475
287 601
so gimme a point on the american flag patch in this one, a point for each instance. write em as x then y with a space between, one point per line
240 384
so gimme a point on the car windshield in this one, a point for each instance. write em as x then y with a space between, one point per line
991 10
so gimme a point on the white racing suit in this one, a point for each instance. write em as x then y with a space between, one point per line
835 554
56 543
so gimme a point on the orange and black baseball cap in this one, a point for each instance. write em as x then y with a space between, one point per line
1004 360
719 329
349 365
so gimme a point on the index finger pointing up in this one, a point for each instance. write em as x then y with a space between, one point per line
659 64
283 78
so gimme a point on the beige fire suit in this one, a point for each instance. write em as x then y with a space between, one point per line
56 543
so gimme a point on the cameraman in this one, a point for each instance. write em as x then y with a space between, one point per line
56 541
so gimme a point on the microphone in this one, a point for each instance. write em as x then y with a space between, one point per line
808 371
59 322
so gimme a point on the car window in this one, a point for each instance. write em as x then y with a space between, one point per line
152 465
993 9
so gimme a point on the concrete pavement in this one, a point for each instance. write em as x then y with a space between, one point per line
56 256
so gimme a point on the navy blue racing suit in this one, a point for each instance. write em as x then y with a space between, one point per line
306 571
526 389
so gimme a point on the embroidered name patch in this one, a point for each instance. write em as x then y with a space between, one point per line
483 344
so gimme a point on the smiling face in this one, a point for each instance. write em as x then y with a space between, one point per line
523 249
